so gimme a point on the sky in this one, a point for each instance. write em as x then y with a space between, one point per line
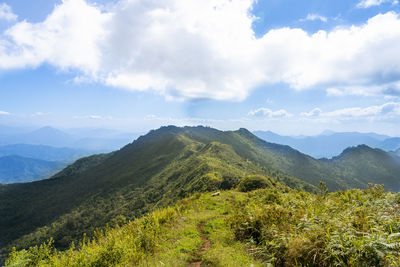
290 66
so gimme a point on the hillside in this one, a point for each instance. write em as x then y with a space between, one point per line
368 164
156 170
17 169
276 226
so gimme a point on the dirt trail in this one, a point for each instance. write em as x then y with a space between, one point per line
204 247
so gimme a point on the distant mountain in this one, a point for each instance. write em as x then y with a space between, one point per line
330 144
95 140
42 152
166 165
50 136
390 144
16 169
43 136
32 162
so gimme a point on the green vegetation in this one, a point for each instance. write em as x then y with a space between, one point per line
159 169
253 182
277 225
346 228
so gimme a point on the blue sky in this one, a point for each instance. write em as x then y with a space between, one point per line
292 67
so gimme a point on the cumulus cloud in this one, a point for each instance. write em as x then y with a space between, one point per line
370 3
6 13
313 17
265 112
201 49
69 38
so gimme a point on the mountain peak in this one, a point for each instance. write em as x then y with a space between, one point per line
48 129
244 131
358 148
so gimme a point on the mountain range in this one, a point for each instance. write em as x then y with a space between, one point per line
330 144
41 152
166 165
99 140
26 163
17 169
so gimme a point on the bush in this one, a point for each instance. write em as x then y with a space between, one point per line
253 182
208 182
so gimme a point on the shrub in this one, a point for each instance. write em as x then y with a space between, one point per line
253 182
209 182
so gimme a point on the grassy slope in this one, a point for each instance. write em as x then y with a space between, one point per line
277 225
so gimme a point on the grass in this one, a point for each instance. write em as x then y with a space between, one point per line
277 226
183 243
168 237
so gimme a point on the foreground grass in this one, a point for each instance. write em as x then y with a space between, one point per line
274 226
167 237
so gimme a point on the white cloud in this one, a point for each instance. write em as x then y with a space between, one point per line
4 113
387 109
379 112
370 3
388 89
201 49
265 112
69 38
313 17
39 113
6 13
356 91
94 117
312 113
